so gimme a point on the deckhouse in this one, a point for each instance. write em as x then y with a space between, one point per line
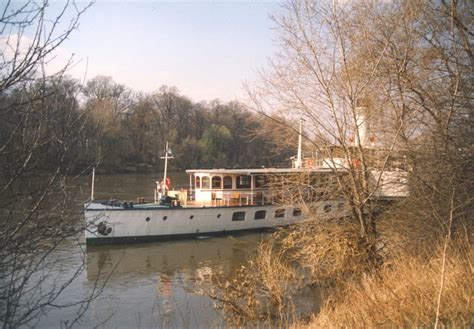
235 186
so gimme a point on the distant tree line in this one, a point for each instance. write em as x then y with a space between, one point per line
120 130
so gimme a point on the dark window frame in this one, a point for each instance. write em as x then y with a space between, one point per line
214 179
258 216
226 180
297 212
261 181
244 181
236 216
205 183
280 213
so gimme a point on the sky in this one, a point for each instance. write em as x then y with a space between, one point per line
205 49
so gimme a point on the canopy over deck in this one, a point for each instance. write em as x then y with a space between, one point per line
256 171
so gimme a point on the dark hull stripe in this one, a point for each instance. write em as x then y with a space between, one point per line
155 238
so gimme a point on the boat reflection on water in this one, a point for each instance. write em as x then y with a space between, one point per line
191 257
164 284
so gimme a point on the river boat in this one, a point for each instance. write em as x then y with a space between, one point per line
221 201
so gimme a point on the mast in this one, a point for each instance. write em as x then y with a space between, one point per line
168 155
92 185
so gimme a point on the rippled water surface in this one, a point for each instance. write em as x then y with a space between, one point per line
144 285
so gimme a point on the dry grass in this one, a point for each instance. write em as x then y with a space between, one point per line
405 290
404 293
260 293
271 288
326 250
329 258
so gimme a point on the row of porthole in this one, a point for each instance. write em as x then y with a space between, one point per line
166 217
328 207
240 215
262 214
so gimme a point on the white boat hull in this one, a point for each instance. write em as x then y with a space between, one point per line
115 225
124 225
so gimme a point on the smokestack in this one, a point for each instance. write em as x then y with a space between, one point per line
362 126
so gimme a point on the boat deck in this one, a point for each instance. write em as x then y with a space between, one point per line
119 205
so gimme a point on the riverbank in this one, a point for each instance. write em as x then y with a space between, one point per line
424 278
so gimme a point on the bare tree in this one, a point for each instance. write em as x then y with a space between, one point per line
432 87
378 93
405 69
322 74
40 125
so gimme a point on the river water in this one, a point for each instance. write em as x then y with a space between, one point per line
153 285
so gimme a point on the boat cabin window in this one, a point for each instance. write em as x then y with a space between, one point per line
261 214
243 181
227 182
238 216
205 182
279 213
216 182
261 181
296 212
198 182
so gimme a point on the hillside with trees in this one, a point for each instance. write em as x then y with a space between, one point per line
120 130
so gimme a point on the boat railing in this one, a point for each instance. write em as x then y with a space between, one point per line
238 198
223 198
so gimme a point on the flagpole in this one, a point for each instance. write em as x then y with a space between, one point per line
163 187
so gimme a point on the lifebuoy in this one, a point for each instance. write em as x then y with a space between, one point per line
103 229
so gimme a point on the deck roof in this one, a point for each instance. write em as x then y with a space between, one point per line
256 171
